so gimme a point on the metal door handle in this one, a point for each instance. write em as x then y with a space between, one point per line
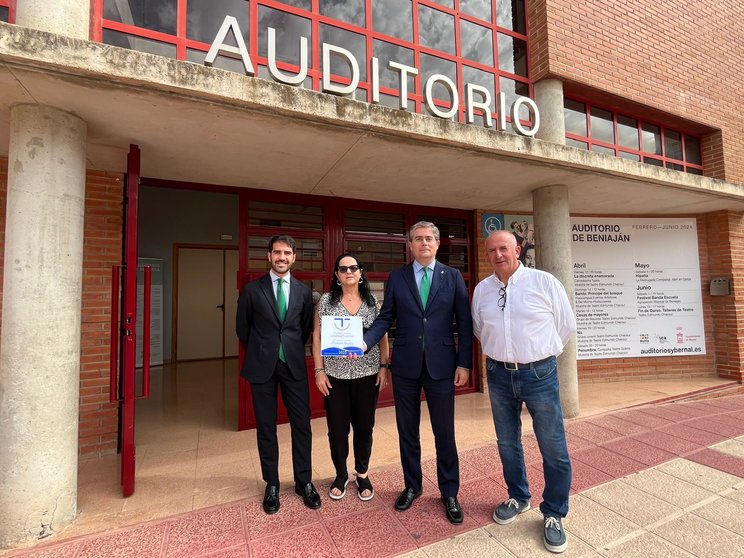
221 306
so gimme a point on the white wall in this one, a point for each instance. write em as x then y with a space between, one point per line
169 216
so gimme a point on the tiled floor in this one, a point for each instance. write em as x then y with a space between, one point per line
198 490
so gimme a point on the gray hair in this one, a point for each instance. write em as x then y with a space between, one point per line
423 225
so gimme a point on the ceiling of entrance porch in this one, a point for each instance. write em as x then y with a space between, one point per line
197 140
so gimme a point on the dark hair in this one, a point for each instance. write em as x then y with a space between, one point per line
523 253
284 238
364 291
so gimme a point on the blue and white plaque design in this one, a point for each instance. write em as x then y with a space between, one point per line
340 336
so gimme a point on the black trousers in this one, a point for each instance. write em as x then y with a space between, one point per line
351 404
440 398
296 398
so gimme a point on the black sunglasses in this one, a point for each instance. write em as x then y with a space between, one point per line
502 298
345 268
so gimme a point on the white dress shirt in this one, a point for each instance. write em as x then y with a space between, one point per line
536 322
275 283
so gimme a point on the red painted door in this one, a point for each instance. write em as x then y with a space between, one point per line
327 227
129 308
256 228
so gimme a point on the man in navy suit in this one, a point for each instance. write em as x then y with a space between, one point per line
274 321
422 298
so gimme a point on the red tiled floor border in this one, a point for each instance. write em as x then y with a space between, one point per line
591 469
718 460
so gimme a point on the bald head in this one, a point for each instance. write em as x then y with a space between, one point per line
502 236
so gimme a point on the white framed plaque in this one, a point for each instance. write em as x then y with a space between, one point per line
341 336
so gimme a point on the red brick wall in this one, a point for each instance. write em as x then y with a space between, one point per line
723 340
102 249
669 57
726 260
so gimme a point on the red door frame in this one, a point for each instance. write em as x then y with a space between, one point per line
333 237
246 418
129 310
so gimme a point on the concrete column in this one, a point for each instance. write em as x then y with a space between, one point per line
549 99
64 17
40 341
553 241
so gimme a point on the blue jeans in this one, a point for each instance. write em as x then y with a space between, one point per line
537 388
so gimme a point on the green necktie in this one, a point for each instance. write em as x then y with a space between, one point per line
425 286
281 307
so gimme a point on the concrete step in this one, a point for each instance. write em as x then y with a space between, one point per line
732 388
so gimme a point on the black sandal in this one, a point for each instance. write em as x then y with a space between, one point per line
362 485
340 484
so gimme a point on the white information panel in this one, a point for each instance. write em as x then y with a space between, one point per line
637 287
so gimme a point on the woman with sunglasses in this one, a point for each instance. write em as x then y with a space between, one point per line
350 385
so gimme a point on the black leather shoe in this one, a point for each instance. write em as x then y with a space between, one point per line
271 499
309 495
452 509
406 498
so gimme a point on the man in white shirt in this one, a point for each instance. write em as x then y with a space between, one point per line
523 319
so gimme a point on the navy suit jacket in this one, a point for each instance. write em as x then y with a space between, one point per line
427 331
259 328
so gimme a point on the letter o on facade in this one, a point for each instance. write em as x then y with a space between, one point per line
517 125
448 83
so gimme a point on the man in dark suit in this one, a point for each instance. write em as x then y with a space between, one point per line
422 298
274 321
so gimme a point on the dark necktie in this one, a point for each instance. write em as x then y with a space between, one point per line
424 293
281 307
424 287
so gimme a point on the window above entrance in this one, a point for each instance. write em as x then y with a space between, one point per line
477 42
309 253
612 133
7 11
280 215
374 222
